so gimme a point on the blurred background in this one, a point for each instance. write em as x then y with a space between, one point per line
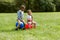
11 6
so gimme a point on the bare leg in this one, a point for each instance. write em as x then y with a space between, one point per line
34 24
18 25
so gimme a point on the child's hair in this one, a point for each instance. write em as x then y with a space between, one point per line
22 6
29 10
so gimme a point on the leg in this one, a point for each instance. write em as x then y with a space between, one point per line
18 25
34 24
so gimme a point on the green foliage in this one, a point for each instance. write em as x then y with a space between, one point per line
7 6
57 2
45 5
19 2
10 1
34 5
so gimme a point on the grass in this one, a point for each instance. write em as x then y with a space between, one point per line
48 27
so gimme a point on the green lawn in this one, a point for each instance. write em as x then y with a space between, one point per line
48 27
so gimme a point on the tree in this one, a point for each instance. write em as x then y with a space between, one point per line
57 2
43 5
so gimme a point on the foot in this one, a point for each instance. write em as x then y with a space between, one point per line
16 29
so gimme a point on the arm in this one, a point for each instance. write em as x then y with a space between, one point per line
32 17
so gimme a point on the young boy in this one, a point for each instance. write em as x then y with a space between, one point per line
30 19
20 14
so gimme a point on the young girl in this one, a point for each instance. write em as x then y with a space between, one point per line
30 19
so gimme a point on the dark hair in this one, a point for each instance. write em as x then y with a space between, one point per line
22 6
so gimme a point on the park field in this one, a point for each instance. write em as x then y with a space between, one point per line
48 27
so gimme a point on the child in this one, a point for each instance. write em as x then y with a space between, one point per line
30 19
20 14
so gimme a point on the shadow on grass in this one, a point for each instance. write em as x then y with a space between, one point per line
7 30
10 30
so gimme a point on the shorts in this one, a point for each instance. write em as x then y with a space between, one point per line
19 19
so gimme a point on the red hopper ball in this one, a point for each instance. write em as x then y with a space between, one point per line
27 26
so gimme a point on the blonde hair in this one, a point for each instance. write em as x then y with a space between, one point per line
29 11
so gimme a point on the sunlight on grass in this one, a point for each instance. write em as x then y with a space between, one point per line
48 27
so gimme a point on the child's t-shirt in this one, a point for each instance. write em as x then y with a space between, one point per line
20 14
29 18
